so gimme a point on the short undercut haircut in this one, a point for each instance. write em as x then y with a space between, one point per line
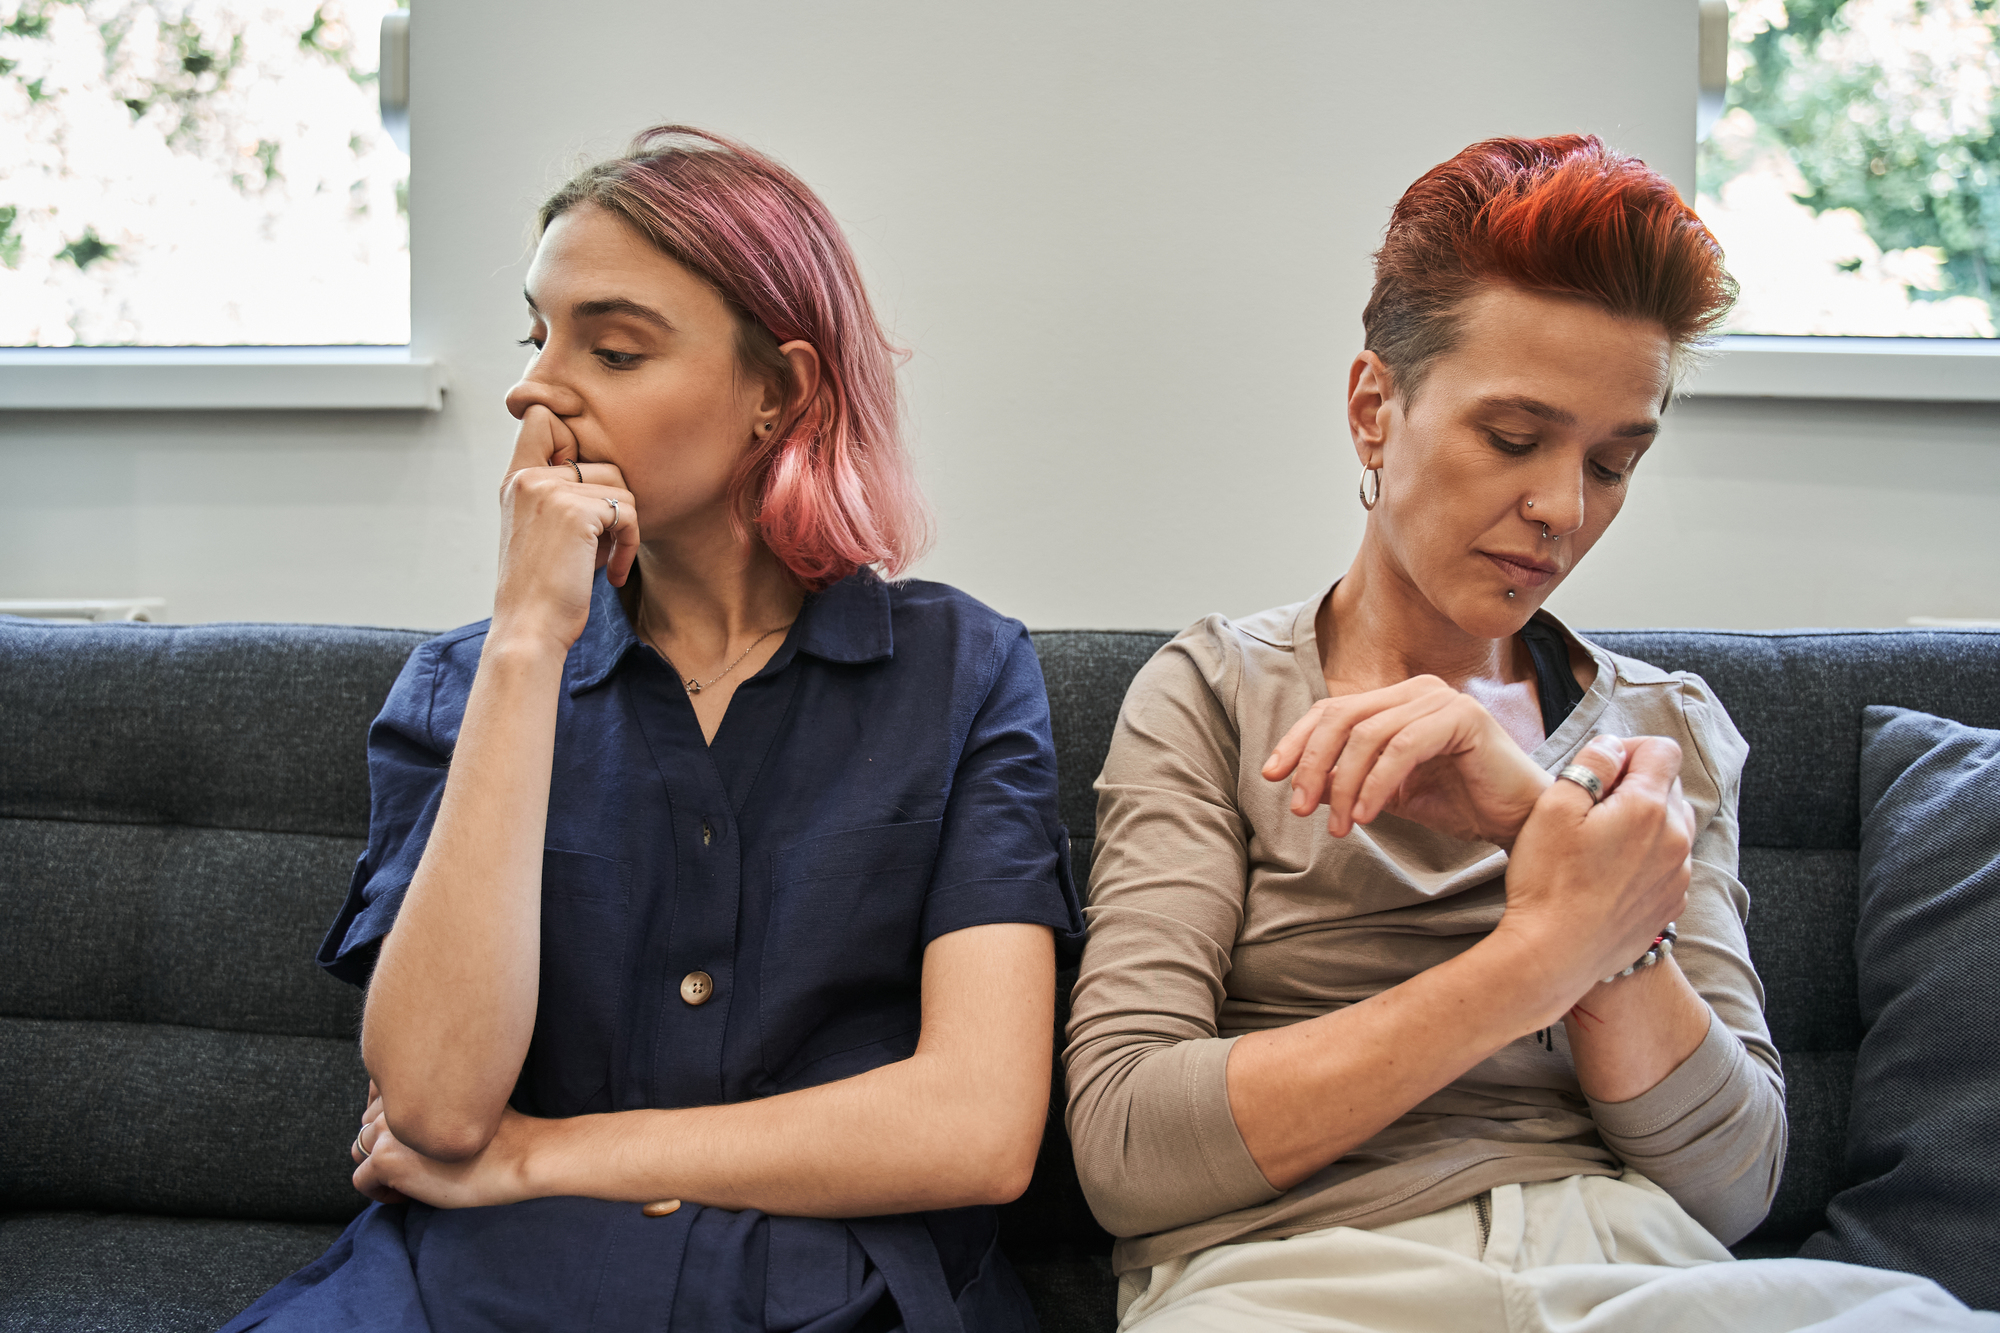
1563 215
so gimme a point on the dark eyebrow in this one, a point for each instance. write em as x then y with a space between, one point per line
615 305
1561 417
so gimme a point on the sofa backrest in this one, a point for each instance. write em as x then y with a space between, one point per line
180 808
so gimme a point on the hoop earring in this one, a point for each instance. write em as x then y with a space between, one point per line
1370 497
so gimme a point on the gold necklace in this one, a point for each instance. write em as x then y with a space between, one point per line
696 687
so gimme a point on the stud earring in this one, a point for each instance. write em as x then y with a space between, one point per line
1510 594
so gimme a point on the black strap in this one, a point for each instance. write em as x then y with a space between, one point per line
1555 681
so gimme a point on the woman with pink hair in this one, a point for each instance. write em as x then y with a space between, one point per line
707 910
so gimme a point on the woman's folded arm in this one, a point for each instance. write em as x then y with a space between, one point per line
956 1124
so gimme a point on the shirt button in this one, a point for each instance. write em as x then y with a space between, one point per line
697 987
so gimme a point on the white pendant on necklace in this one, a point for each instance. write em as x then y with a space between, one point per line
693 685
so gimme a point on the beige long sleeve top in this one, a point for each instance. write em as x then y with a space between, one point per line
1214 911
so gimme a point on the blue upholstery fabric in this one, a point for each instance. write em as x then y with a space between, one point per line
1924 1135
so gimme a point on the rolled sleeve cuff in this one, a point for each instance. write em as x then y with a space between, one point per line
1681 1107
348 952
1235 1177
989 902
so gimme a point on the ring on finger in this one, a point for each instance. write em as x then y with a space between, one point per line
1585 779
579 469
614 513
361 1147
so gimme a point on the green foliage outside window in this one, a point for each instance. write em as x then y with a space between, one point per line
197 172
1878 118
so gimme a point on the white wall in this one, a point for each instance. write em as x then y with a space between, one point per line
1128 244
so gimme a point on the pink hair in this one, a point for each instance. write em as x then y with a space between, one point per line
831 490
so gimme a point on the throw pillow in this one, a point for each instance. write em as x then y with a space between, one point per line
1923 1141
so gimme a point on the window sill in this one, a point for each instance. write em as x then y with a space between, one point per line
217 378
1909 369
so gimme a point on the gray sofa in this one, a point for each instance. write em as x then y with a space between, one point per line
180 809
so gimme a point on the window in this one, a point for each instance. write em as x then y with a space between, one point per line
186 173
1854 176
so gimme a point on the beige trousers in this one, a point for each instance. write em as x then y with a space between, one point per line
1589 1254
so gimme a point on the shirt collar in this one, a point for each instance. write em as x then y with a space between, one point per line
607 636
848 622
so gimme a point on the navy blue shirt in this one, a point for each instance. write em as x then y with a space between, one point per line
888 777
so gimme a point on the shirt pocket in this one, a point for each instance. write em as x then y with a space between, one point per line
841 968
585 900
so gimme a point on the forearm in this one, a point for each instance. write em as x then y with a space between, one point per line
956 1124
1307 1094
451 1007
910 1136
1677 1095
1627 1035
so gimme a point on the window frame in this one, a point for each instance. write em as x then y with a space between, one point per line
1960 370
120 379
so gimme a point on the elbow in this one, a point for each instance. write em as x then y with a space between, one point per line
1123 1213
998 1169
1009 1173
439 1133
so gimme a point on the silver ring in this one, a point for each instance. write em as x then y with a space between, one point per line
614 512
361 1147
1585 779
579 470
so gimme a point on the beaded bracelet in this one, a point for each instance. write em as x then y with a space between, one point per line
1663 947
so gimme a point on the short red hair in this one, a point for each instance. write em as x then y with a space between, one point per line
831 490
1564 215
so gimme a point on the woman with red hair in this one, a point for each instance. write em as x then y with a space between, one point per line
707 909
1488 1052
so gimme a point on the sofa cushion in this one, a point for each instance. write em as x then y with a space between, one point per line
1797 698
151 1118
161 923
1926 1110
217 726
73 1272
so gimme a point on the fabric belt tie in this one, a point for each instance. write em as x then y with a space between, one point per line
902 1250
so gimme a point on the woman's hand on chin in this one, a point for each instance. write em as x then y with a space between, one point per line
388 1171
558 526
1420 750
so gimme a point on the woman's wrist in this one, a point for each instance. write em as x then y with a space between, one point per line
542 1158
516 646
1525 977
1534 961
1514 815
